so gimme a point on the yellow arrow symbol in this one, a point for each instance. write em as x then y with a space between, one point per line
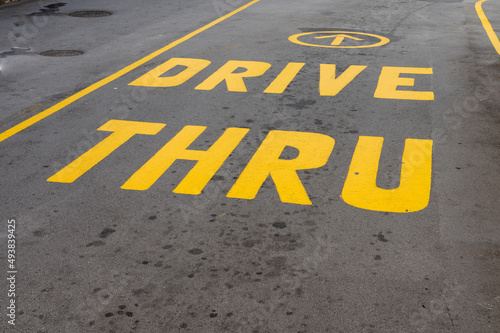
338 38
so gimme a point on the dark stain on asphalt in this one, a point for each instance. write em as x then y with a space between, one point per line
302 104
196 251
144 291
251 242
51 9
287 242
380 237
56 5
277 265
106 232
279 225
39 233
121 312
95 243
14 52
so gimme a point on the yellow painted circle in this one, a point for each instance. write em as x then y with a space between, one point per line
295 39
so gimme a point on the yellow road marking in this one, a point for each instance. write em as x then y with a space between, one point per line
284 78
340 36
314 151
487 26
329 85
123 130
234 81
360 187
208 161
44 114
338 39
154 77
390 80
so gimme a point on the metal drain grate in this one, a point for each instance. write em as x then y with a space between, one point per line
61 53
90 13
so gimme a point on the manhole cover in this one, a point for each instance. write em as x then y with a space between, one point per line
61 53
90 13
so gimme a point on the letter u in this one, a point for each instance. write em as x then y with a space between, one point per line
360 188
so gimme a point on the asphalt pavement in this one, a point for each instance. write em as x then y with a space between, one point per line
264 166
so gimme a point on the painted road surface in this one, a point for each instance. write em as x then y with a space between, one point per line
264 166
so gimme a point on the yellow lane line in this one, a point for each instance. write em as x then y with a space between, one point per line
487 26
44 114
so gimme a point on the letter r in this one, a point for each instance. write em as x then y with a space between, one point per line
314 151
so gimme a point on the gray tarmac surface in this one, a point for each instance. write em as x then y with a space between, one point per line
107 252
